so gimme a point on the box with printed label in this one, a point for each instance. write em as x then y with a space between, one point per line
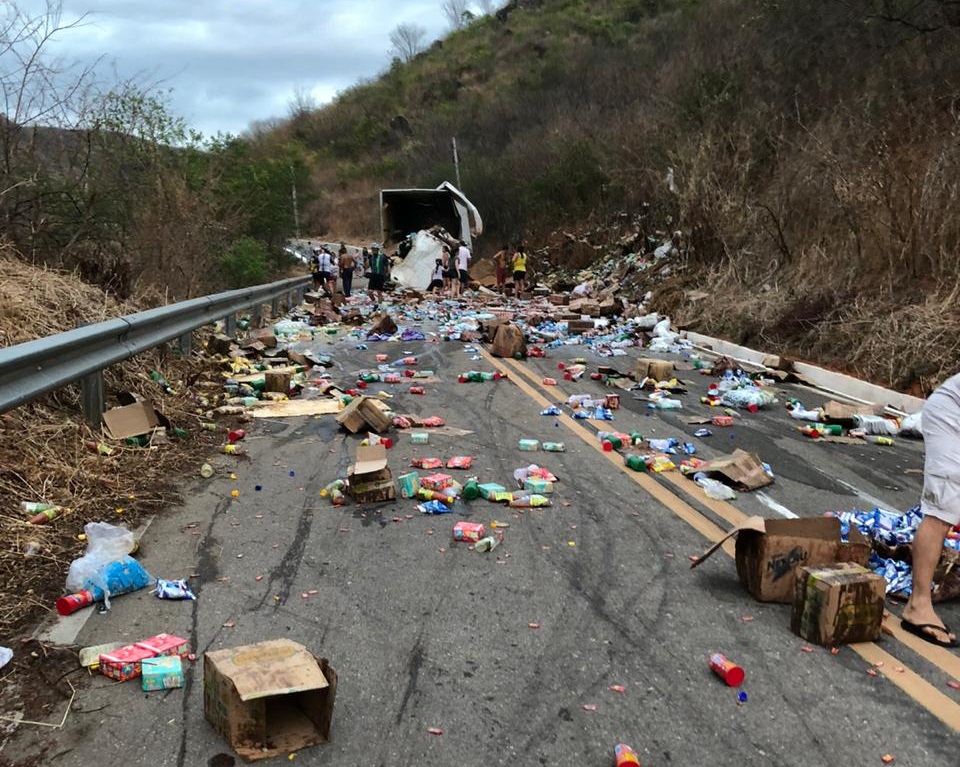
468 531
535 485
437 482
164 672
124 664
165 644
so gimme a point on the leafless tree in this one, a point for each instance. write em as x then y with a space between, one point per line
457 13
407 40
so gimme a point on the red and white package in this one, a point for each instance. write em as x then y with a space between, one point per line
433 420
460 462
427 463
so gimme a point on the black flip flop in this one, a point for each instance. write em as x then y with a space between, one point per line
917 629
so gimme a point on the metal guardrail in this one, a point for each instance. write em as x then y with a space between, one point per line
31 369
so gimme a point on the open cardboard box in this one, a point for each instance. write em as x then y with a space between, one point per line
768 551
269 698
370 478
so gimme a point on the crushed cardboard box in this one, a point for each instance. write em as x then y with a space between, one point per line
768 551
131 420
366 413
370 479
659 370
269 698
744 470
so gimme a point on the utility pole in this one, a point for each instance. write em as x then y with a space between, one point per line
296 211
456 162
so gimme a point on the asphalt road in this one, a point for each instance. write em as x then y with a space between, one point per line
428 634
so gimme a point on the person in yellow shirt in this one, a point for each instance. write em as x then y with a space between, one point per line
519 262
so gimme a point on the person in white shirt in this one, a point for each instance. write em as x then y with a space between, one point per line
328 271
940 504
463 265
436 279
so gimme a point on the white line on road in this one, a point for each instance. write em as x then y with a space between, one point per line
782 510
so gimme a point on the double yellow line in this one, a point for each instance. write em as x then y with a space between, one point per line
927 695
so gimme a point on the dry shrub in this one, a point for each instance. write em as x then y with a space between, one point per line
43 456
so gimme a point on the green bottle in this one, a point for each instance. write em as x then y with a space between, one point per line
471 491
636 463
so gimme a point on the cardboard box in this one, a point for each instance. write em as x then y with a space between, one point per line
744 470
161 673
534 485
437 482
409 484
269 698
350 418
468 531
131 420
838 604
659 370
124 664
370 478
768 551
489 490
165 644
377 413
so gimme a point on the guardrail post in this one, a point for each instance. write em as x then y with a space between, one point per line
257 314
91 391
275 307
185 343
230 325
289 300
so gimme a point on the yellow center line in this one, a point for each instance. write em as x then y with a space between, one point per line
927 695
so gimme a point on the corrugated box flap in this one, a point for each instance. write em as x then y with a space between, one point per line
276 667
757 524
369 458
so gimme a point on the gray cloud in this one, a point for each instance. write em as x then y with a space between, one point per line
233 63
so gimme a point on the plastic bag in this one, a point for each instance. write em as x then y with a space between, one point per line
912 425
106 543
6 655
877 424
715 489
748 396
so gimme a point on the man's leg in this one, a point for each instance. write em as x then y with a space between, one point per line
927 547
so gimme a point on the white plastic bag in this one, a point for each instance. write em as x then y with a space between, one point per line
717 490
106 543
912 425
6 655
876 424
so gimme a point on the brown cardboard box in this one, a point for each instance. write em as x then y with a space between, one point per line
376 413
660 370
577 327
559 299
768 551
838 604
131 420
269 698
371 480
508 342
744 470
350 417
834 411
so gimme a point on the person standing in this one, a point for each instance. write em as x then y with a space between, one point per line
437 278
326 265
940 505
347 265
449 268
500 266
463 266
379 267
519 262
315 269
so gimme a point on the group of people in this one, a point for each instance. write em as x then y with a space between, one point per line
517 258
326 267
451 272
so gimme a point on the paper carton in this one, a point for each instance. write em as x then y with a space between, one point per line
838 604
161 673
370 478
350 418
409 484
131 420
124 664
437 482
768 551
659 370
468 531
376 413
165 644
269 698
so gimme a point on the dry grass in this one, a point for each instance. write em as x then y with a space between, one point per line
43 456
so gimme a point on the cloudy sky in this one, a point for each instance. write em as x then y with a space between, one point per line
234 62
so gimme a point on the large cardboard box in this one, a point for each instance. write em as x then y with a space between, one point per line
838 604
768 552
659 370
350 418
377 413
743 470
371 480
269 698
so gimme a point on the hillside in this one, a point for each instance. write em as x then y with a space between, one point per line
813 147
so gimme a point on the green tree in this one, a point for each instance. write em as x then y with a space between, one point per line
245 262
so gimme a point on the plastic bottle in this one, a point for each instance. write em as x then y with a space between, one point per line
337 497
46 515
31 548
425 494
487 543
337 484
714 488
471 490
206 471
553 447
624 756
876 439
635 462
236 435
161 381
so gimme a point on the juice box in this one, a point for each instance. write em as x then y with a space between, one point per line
468 531
124 664
529 445
161 673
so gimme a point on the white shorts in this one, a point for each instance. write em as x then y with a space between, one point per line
941 466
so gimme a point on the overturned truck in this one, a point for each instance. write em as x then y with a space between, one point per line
421 222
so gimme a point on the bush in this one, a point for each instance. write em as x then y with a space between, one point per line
246 262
